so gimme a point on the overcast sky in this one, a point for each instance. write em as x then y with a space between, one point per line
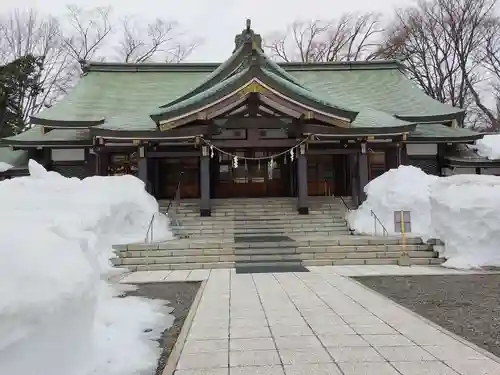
217 21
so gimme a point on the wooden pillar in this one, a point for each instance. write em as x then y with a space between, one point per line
142 166
205 209
353 173
441 152
362 175
393 157
303 195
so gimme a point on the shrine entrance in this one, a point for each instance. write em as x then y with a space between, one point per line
252 178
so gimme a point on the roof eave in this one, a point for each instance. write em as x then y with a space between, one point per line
458 115
68 124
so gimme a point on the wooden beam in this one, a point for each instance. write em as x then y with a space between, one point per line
254 122
275 100
173 154
278 143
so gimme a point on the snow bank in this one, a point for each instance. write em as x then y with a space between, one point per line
462 210
58 314
466 216
5 167
403 189
489 146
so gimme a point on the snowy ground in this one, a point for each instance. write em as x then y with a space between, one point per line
463 211
58 313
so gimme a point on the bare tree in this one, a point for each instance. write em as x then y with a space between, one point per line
438 41
87 31
28 33
62 44
467 23
159 40
417 38
351 37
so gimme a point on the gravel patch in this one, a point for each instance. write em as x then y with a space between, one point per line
467 305
180 296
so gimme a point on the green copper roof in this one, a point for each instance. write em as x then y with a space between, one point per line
126 98
35 137
121 97
384 89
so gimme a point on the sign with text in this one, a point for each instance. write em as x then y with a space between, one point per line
402 221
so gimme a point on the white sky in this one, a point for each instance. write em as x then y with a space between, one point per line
218 21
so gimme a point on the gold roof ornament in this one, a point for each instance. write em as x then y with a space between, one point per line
252 87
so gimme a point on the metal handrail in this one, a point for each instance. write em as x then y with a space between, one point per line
375 220
345 204
170 202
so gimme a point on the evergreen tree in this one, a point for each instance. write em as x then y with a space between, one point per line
18 82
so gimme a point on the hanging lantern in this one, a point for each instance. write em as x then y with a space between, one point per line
235 162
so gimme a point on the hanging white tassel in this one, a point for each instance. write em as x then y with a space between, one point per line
270 167
235 162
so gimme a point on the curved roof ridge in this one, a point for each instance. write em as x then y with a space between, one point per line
221 73
303 91
201 95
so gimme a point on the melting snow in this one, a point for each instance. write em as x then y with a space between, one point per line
463 211
58 313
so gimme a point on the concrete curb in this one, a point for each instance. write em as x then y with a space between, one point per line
434 325
173 359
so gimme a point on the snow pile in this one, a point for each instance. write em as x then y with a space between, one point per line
462 210
466 217
404 189
58 314
489 146
5 167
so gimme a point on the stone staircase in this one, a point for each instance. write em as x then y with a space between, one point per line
248 217
250 234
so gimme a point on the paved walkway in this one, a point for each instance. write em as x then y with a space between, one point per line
317 323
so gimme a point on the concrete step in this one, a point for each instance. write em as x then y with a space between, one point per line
246 220
154 259
324 227
259 213
319 252
215 235
256 224
311 262
228 241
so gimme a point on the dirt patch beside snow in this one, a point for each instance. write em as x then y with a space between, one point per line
180 296
466 305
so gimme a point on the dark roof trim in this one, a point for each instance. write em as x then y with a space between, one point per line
457 139
61 124
424 140
368 132
31 144
184 132
458 115
210 67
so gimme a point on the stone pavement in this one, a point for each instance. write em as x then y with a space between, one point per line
316 323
